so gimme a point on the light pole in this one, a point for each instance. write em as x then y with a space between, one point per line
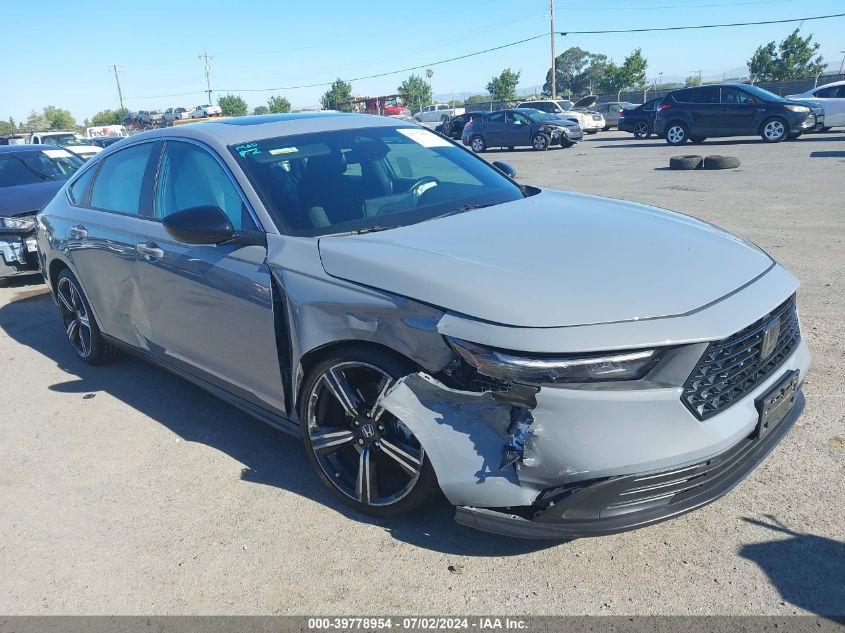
429 73
660 85
843 62
207 57
552 38
116 69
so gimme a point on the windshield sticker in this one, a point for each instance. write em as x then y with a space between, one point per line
423 137
283 150
247 149
56 153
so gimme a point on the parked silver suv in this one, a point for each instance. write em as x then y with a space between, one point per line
560 365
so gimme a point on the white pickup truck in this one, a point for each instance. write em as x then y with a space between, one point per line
437 113
70 140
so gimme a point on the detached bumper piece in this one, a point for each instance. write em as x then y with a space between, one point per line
617 504
17 256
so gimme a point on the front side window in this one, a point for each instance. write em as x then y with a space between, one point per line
831 92
78 190
736 96
120 180
30 167
348 180
515 118
189 176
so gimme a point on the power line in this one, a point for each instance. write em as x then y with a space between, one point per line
510 44
703 26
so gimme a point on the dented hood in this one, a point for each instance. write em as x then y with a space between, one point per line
553 259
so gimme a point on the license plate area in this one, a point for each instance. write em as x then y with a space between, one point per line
31 245
776 403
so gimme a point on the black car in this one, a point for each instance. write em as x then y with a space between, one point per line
519 127
30 175
733 110
640 120
454 127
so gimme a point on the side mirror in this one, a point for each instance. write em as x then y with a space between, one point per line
505 168
205 224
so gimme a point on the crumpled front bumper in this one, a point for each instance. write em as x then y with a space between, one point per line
617 504
16 258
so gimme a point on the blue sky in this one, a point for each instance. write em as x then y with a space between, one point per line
267 43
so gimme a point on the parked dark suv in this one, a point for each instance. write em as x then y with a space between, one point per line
733 110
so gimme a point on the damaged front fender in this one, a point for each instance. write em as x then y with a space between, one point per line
476 443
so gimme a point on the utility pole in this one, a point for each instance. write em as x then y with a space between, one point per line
207 57
116 69
428 73
843 62
552 38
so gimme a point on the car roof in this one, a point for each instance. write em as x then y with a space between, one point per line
223 132
832 83
27 147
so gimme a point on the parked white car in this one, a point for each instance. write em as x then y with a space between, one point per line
831 97
590 121
203 111
72 141
437 113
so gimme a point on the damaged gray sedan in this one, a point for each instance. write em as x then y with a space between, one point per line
559 365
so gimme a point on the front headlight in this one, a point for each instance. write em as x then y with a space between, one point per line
538 370
17 224
797 108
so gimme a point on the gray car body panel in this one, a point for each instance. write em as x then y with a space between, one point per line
541 254
553 273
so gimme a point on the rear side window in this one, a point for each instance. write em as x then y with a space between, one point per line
496 117
120 180
78 189
704 95
682 96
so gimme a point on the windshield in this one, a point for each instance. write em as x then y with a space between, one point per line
540 117
67 140
26 168
566 105
763 94
367 179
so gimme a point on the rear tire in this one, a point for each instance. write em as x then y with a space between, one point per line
642 130
81 328
774 130
477 144
393 486
676 133
720 162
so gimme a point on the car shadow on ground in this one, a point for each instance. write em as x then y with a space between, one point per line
714 143
271 457
808 570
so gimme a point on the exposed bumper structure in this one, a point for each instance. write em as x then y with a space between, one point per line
17 255
617 504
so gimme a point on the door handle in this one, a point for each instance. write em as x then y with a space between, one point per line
149 250
78 232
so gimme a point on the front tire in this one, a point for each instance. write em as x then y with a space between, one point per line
81 328
368 458
774 130
540 142
676 133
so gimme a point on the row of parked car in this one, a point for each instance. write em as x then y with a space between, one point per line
156 118
695 114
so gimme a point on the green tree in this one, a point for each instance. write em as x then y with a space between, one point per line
692 81
278 104
338 97
631 73
794 58
418 91
262 109
59 119
36 121
503 87
8 127
478 99
569 71
233 105
109 117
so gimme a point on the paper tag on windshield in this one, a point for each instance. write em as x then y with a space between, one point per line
423 137
56 153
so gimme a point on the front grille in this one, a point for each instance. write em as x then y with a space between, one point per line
732 367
